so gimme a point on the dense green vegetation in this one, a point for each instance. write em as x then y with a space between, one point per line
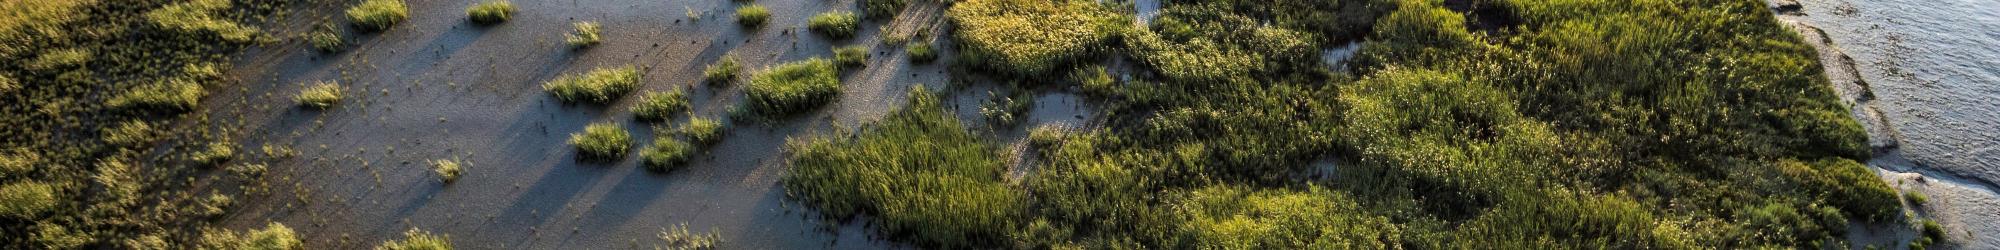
752 15
1509 124
659 105
603 141
837 24
852 56
490 12
378 15
882 9
721 72
599 86
666 154
793 87
702 131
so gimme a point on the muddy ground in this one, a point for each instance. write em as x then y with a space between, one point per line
440 87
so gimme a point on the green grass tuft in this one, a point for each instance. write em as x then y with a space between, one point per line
447 170
658 106
378 15
325 39
921 53
598 86
585 35
26 199
702 131
837 24
274 236
603 141
171 95
752 15
490 12
417 240
722 72
879 9
793 87
1032 37
215 154
852 56
666 154
321 95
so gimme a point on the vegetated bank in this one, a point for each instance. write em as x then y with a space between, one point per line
94 103
1491 124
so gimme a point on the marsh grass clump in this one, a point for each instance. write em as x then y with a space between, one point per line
416 239
666 154
173 95
378 15
215 153
658 106
325 39
583 36
1031 37
701 131
447 170
201 17
752 15
133 133
921 53
1007 110
490 12
1916 198
881 9
680 238
599 86
852 56
921 145
721 72
274 236
26 199
837 24
602 141
793 87
321 95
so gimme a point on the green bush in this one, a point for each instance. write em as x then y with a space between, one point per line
26 199
490 12
170 95
447 170
666 154
883 8
585 35
658 106
599 86
722 71
1029 37
378 15
602 141
417 240
702 130
321 95
921 53
275 236
793 87
951 192
836 24
752 15
852 56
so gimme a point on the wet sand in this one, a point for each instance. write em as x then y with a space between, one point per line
439 87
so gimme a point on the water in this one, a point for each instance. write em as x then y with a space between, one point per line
1929 91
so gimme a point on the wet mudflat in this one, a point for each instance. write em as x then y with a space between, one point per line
439 87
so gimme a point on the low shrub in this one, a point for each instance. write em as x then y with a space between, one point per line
666 154
752 15
722 71
921 53
171 95
490 12
321 95
274 236
26 199
378 15
417 240
325 39
599 86
447 170
852 56
603 141
836 24
793 87
585 35
1026 37
702 131
658 106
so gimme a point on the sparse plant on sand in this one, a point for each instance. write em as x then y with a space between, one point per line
585 35
321 95
602 141
378 15
490 12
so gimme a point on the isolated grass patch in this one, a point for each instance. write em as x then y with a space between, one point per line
721 72
752 15
26 199
657 106
793 87
417 240
599 86
1028 37
666 154
274 236
584 35
956 196
201 17
603 141
490 12
702 131
378 15
921 52
447 170
321 95
172 95
215 153
325 39
883 8
837 24
851 56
